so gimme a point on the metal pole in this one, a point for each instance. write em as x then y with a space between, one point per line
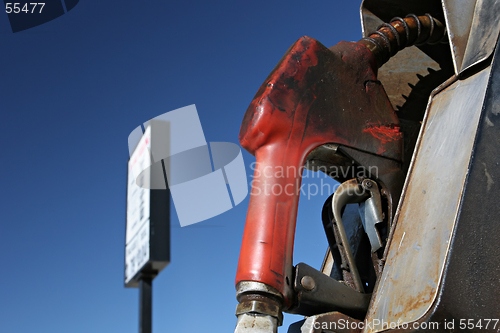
145 304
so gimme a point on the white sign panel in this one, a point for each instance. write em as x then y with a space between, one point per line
137 252
138 208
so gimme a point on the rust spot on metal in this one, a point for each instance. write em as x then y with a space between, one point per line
422 299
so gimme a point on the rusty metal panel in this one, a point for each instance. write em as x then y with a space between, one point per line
484 33
458 15
426 217
473 28
471 284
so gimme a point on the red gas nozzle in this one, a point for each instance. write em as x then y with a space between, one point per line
314 96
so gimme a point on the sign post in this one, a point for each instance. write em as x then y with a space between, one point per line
147 236
145 304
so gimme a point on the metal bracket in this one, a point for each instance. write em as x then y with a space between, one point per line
371 213
354 191
318 293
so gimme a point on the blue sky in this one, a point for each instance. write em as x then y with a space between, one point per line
71 91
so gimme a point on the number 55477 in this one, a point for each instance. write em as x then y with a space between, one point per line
14 7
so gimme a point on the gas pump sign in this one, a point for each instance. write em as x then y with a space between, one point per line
147 236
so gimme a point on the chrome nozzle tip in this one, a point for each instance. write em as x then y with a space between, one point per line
249 323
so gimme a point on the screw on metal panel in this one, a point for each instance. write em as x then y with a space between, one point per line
367 183
308 282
